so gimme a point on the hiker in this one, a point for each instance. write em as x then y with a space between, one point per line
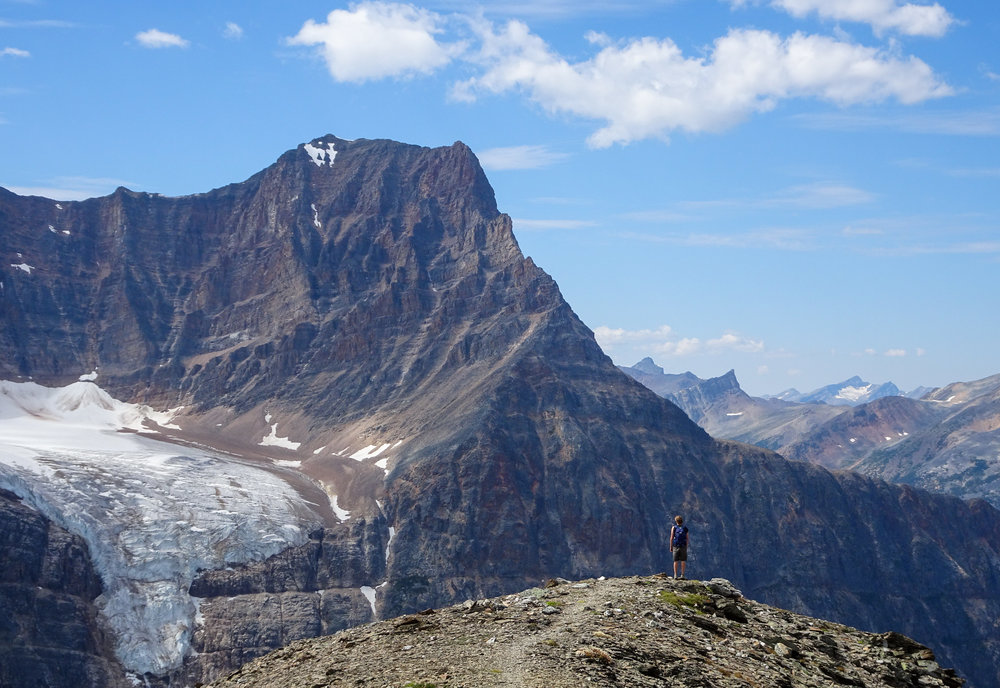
679 544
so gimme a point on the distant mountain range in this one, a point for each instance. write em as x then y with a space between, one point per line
946 440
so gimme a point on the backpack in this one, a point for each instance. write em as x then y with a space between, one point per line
680 536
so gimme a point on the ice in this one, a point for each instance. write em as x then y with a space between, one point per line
392 534
152 513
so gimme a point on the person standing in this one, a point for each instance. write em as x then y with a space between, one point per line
679 538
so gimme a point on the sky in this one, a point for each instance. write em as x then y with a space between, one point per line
798 190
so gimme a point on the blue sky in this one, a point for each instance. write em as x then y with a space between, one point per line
800 190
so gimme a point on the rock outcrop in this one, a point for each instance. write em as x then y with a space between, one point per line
629 632
50 634
361 311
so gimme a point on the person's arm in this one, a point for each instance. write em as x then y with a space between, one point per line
672 528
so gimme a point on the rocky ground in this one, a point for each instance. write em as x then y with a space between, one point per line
628 632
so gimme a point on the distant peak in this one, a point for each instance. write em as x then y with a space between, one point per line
647 365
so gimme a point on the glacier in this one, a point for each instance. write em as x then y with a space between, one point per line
152 512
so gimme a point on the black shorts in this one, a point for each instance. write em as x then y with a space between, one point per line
681 553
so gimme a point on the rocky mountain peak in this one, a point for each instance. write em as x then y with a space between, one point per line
647 366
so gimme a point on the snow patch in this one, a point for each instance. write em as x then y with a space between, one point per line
854 393
286 464
342 514
272 439
24 267
319 225
369 452
392 534
733 415
369 593
88 377
322 154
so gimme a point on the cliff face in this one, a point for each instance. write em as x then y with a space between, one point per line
360 312
50 634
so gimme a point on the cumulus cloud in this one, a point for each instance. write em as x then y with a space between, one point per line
232 31
647 88
154 38
883 15
663 342
374 40
519 157
14 52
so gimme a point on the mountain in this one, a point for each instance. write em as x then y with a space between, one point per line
628 632
338 391
949 441
945 441
850 392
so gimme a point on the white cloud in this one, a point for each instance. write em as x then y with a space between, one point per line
374 40
608 335
519 157
233 31
663 342
896 353
883 15
646 88
735 342
951 123
522 223
822 195
14 52
154 38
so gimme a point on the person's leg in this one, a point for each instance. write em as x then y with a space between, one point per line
675 568
683 567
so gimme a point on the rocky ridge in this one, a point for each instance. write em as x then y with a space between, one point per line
634 632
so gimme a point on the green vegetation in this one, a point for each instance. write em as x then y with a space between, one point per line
419 684
687 600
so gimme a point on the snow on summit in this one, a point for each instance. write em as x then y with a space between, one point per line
322 153
153 513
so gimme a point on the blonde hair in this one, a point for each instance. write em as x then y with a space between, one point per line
679 519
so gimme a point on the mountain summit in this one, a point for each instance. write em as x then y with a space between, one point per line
356 332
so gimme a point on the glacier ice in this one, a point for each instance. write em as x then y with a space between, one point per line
153 513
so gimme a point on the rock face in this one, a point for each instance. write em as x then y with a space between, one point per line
49 631
629 632
361 311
